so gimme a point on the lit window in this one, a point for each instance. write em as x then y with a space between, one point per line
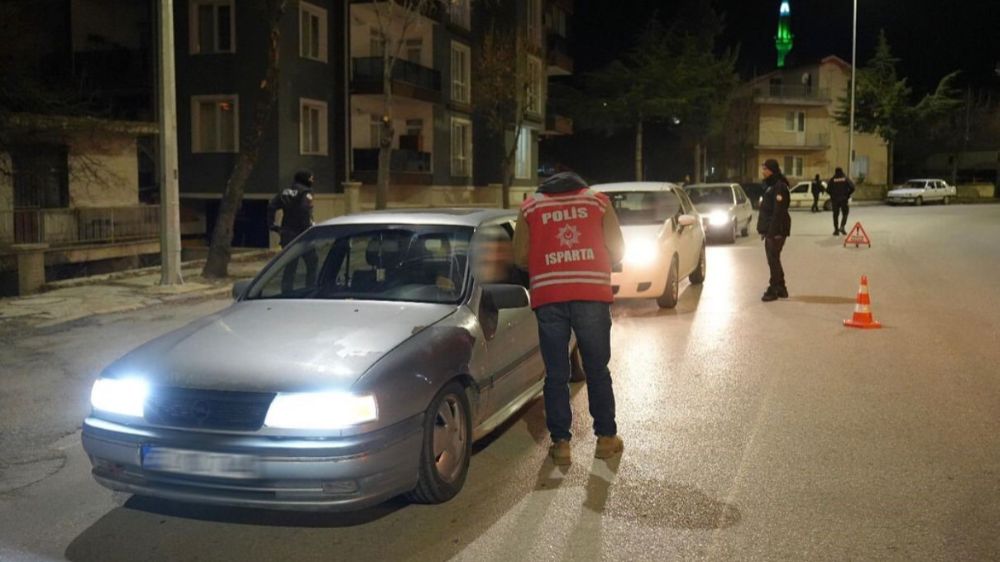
313 128
312 32
215 124
460 71
534 101
212 26
461 147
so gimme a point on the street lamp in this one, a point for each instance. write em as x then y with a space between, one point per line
854 64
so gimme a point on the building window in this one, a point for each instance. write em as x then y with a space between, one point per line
534 21
525 155
795 121
461 61
793 166
375 130
461 147
312 32
215 124
313 127
415 50
459 13
212 26
534 101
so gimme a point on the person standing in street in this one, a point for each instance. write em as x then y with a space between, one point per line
774 225
817 188
567 237
840 189
296 205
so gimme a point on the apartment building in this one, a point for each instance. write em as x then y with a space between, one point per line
789 115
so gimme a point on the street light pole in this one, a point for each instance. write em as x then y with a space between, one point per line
854 64
170 227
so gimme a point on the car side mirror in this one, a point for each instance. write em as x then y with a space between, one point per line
687 220
501 296
240 288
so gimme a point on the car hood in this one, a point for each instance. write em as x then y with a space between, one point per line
641 232
280 345
707 208
907 191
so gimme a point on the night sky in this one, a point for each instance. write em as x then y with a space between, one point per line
931 37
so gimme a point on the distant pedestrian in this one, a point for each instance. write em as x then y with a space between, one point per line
296 205
817 188
568 238
840 189
774 225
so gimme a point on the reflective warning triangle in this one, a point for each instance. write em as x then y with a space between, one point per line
857 236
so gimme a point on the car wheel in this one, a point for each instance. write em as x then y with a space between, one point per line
827 205
669 297
444 457
576 372
697 276
746 229
731 239
919 201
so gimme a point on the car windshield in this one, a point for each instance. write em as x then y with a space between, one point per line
644 207
708 195
917 184
415 263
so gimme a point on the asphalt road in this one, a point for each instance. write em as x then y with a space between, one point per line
753 431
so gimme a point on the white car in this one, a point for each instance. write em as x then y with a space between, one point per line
802 196
920 191
724 207
664 240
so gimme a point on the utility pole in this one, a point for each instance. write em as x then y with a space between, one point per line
854 85
170 223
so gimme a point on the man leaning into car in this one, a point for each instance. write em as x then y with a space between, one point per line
568 237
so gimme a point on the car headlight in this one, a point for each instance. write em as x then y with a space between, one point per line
718 218
126 396
320 410
640 252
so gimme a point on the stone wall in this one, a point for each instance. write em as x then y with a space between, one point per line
103 170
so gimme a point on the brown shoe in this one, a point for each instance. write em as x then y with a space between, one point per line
608 447
561 453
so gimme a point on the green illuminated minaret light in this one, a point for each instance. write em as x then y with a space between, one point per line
783 40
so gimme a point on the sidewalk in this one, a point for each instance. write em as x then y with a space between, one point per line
73 299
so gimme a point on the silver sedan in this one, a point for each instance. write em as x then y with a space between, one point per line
360 364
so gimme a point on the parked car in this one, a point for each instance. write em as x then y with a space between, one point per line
360 363
724 208
920 191
802 196
664 240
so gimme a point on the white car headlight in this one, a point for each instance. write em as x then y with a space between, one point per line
718 218
640 252
320 410
125 396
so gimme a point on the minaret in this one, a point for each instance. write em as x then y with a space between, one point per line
783 40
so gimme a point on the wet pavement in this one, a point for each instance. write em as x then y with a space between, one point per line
753 431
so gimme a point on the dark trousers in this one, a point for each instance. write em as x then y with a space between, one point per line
772 247
815 207
591 322
288 284
838 208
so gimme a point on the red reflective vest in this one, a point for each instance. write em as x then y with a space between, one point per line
567 257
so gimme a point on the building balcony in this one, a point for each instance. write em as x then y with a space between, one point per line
560 63
409 79
786 94
406 166
791 141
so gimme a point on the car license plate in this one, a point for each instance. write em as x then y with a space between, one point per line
198 463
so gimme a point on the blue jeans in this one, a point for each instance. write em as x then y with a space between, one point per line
591 321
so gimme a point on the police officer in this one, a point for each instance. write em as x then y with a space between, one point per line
840 189
817 188
296 204
567 237
774 225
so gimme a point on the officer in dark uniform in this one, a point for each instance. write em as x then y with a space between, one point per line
774 225
840 189
817 188
296 204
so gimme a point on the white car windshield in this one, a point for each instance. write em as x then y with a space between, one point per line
710 195
644 207
416 263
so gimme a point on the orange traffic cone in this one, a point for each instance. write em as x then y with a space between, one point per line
862 309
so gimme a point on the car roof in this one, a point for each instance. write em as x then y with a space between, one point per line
636 186
701 185
925 179
447 216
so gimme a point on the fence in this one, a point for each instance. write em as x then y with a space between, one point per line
92 225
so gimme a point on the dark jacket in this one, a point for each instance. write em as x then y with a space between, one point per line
774 219
296 204
840 189
817 187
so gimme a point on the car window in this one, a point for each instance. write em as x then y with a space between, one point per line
419 263
710 194
741 196
644 207
801 188
915 184
686 205
493 254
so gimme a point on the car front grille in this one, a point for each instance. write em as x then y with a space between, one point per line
207 409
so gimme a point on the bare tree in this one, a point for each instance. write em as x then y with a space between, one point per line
500 95
220 251
394 19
